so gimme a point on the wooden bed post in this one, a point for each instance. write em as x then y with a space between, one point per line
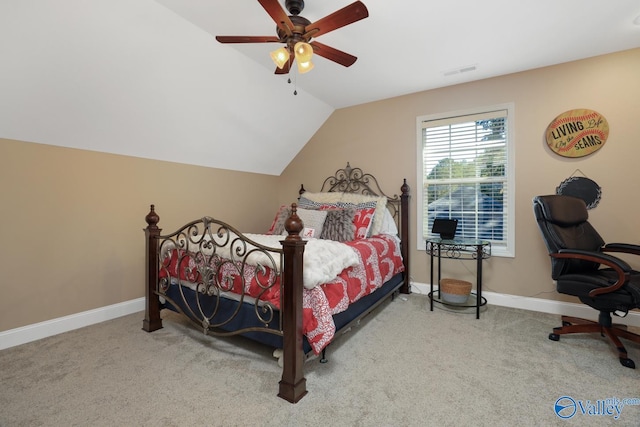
404 245
152 320
293 385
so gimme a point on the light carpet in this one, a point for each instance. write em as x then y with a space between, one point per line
402 366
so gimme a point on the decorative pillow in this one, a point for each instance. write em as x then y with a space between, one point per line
313 221
277 227
323 206
362 221
323 197
388 224
381 206
360 201
338 225
305 203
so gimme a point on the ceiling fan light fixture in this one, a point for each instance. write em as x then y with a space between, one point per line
296 31
280 57
305 67
303 52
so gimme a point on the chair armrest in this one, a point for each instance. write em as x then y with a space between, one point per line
619 266
627 248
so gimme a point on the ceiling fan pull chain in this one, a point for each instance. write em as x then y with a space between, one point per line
295 81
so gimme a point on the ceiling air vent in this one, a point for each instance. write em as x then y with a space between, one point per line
459 70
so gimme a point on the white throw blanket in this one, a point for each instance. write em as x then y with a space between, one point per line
323 259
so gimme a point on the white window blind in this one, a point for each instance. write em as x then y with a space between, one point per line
465 175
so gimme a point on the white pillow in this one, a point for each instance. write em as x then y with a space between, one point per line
388 224
312 221
323 197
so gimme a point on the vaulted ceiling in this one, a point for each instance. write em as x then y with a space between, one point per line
147 78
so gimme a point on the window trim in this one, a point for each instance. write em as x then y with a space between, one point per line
501 251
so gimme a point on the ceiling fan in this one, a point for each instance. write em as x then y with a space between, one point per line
296 33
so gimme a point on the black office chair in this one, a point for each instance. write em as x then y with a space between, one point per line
581 268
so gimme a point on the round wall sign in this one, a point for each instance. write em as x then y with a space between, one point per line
583 188
577 133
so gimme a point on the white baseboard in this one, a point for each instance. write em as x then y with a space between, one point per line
25 334
540 305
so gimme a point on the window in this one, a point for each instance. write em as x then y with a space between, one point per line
465 166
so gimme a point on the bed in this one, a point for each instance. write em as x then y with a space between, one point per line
325 263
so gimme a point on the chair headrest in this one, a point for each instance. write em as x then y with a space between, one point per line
562 210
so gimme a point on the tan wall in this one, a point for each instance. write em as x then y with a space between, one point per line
72 223
380 137
72 220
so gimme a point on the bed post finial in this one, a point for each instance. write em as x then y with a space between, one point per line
405 187
152 218
348 170
293 225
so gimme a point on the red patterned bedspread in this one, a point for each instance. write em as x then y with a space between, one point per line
380 260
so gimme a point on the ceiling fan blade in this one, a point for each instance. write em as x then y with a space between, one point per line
247 39
345 16
278 14
333 54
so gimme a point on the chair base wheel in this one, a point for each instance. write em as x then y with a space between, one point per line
554 337
627 363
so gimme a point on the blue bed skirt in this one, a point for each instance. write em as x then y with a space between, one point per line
246 317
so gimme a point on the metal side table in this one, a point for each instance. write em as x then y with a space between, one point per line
464 249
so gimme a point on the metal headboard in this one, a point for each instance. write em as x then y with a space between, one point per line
355 180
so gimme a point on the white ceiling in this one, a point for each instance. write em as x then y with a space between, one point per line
147 78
